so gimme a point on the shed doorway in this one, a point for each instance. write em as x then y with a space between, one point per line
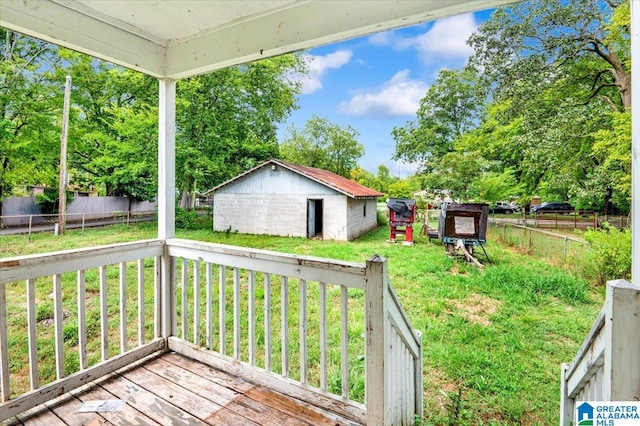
314 218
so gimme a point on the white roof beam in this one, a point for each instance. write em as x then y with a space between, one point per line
303 26
75 29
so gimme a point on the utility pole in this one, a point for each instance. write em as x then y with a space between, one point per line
62 187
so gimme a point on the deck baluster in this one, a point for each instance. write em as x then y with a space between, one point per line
236 313
267 322
104 315
303 331
252 317
82 319
184 309
57 318
31 325
4 350
344 315
284 324
222 306
208 309
323 336
123 307
141 336
196 302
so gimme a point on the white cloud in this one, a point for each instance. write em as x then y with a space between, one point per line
448 37
382 39
396 97
445 39
318 67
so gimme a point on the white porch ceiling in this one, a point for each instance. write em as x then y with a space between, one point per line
177 39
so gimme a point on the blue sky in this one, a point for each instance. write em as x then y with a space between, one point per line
375 83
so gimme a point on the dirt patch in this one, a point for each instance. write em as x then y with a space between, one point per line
437 387
51 321
477 308
455 270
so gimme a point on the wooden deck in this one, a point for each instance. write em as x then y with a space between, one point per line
173 389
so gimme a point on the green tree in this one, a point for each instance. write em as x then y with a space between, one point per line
30 112
451 107
324 145
401 189
113 127
366 178
227 120
559 73
523 46
384 178
611 150
492 186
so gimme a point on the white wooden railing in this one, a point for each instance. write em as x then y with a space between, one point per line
58 290
607 366
328 332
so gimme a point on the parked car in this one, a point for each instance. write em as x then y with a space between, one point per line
504 207
552 206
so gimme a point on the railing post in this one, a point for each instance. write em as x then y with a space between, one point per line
4 348
167 295
621 366
567 404
419 383
376 339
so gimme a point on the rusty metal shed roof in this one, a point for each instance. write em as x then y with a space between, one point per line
332 180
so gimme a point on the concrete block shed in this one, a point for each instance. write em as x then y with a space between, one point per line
286 199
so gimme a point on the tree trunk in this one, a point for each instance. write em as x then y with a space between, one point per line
185 200
608 205
624 85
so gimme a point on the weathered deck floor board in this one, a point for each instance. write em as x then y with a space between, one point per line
173 389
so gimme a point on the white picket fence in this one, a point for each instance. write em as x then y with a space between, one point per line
607 366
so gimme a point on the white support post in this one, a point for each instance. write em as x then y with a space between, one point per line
635 143
376 340
621 364
166 198
167 159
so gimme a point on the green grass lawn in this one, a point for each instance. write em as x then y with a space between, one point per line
493 338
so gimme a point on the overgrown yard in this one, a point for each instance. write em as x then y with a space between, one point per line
493 339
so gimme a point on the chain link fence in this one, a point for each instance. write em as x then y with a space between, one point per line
561 250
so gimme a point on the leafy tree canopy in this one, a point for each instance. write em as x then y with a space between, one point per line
323 145
227 120
543 106
450 108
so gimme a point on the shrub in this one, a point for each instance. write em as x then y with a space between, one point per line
48 201
610 254
186 219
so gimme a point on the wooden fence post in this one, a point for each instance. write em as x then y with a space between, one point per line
376 340
621 365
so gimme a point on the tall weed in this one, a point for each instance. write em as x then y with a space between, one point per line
534 282
610 254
